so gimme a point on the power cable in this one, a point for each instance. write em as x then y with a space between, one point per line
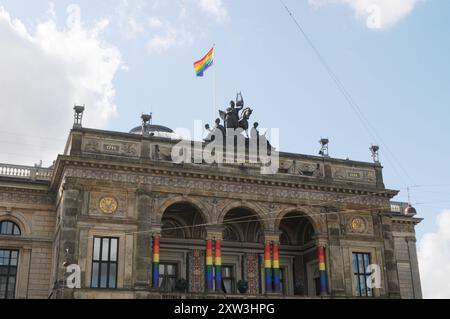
352 103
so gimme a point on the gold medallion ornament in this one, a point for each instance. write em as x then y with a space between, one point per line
358 224
108 205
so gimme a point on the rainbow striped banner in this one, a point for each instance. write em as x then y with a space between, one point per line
322 271
218 264
268 267
209 265
155 260
202 65
276 268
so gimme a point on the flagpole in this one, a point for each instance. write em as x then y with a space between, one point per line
214 85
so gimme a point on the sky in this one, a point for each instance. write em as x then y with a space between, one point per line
124 57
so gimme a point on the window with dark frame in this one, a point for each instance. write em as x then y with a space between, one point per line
168 275
9 228
360 274
8 273
228 280
104 262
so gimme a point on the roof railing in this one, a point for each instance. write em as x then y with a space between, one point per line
26 172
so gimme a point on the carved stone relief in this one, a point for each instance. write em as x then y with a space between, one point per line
97 204
357 224
114 147
302 168
203 185
353 174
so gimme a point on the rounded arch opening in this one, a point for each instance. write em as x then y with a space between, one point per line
183 220
242 225
296 229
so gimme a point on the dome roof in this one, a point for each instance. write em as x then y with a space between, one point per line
410 211
153 130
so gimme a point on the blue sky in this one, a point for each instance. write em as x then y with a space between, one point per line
399 74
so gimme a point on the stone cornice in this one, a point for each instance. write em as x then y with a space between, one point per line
185 171
170 180
34 196
405 220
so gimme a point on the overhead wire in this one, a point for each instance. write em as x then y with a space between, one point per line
350 100
258 218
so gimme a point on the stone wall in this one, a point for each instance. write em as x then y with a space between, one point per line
37 223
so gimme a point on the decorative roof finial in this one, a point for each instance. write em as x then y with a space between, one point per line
146 121
324 147
78 115
374 150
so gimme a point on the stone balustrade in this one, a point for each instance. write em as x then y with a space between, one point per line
25 172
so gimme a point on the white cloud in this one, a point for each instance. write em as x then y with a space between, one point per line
434 259
166 24
169 37
377 14
127 16
155 22
43 74
214 8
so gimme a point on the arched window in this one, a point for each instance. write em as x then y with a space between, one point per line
9 228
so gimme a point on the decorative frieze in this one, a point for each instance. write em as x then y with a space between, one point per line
357 175
206 185
26 198
302 168
113 147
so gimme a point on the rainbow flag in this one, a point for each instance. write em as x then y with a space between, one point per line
268 267
156 248
209 266
202 65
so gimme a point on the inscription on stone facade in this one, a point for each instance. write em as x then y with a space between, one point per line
111 148
93 145
343 173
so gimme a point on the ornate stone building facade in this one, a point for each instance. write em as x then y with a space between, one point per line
141 226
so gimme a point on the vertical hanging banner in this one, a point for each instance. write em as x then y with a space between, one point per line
322 271
276 268
209 265
218 265
155 260
268 267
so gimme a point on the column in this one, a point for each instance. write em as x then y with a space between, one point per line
393 284
143 250
155 260
322 271
209 265
276 268
68 239
218 265
268 267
